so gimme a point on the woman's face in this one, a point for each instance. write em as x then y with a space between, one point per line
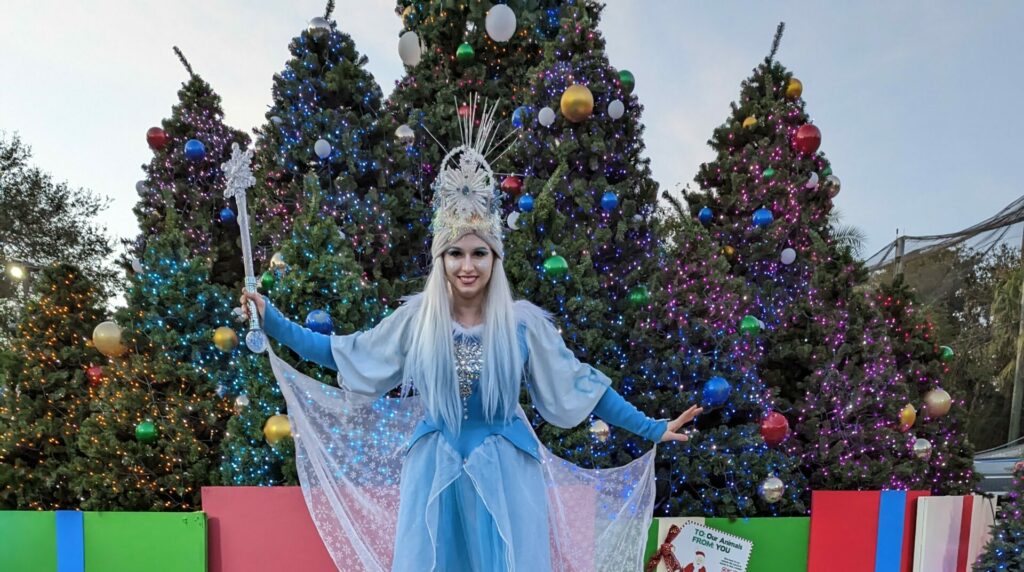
467 266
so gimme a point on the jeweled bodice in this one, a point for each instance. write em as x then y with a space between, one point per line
469 360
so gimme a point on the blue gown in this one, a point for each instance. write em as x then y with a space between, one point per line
492 499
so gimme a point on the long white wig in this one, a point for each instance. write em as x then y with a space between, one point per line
431 360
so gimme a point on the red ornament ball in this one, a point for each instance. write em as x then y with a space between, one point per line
95 374
774 428
511 185
157 138
464 110
807 139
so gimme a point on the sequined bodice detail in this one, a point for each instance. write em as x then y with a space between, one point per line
469 360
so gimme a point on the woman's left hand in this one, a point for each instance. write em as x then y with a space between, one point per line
677 423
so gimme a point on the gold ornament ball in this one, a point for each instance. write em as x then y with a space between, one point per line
277 427
107 339
907 417
577 103
225 339
937 402
600 430
794 89
749 122
729 251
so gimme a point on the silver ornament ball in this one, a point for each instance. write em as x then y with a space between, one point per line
319 27
771 490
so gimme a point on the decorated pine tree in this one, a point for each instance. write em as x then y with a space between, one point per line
703 346
766 199
152 437
933 419
323 231
316 282
48 391
324 120
1005 552
185 176
582 239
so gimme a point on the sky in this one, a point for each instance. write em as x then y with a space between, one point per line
918 102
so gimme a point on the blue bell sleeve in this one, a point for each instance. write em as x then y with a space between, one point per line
368 363
563 389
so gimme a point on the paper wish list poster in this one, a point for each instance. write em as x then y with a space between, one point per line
702 549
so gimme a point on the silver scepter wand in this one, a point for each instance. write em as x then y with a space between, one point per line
239 178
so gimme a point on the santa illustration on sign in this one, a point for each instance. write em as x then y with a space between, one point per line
697 565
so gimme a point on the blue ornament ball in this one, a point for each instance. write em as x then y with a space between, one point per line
715 392
194 150
526 203
609 201
705 215
763 217
519 117
319 321
227 215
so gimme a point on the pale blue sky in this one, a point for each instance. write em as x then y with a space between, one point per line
919 103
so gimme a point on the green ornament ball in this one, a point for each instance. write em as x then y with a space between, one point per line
145 432
627 80
826 171
639 296
750 325
556 266
768 173
946 353
267 280
465 54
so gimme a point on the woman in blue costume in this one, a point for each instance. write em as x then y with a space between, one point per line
478 492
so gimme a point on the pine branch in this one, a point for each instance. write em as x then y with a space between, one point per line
776 41
329 10
184 62
674 202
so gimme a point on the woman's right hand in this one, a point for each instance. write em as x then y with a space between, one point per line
257 298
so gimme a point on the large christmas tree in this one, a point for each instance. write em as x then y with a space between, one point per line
47 392
322 206
766 199
830 351
151 440
583 212
704 346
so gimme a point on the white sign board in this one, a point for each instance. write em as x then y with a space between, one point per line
702 549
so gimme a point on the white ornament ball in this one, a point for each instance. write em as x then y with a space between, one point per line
136 266
513 220
616 109
276 120
141 188
788 256
241 402
322 148
500 23
409 48
812 181
405 135
546 116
